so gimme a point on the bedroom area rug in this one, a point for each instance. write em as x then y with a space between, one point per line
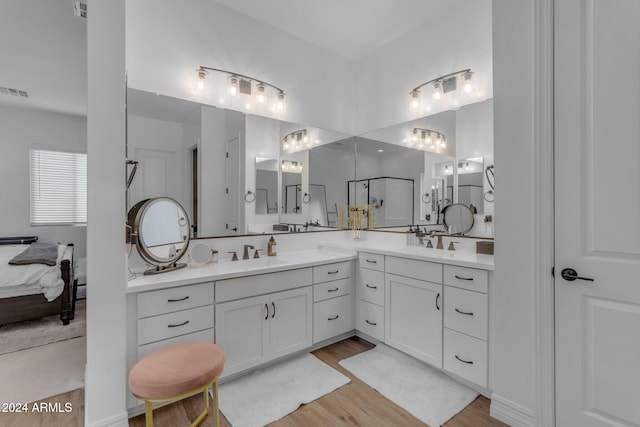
269 394
38 332
425 392
40 372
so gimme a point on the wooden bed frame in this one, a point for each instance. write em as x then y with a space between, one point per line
28 307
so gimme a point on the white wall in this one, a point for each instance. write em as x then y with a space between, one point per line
513 316
443 44
474 130
168 41
106 373
23 129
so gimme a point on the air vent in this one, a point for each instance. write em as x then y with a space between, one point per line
80 9
14 92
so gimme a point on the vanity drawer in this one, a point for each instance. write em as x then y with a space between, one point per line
371 261
466 311
370 319
465 356
325 273
421 270
371 286
174 299
467 278
260 284
336 288
171 325
203 336
332 318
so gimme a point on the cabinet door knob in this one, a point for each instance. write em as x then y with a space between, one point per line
372 261
333 272
371 323
468 313
437 298
266 307
333 318
463 278
333 290
371 287
273 304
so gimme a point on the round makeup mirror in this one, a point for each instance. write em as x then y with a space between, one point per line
160 230
200 254
458 218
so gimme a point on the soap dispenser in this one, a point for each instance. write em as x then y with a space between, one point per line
270 245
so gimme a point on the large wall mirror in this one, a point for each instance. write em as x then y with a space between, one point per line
231 171
409 174
210 159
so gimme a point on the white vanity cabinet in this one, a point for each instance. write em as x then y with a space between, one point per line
332 300
174 315
466 322
413 308
370 295
263 317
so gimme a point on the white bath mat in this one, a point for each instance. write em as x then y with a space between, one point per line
425 392
269 394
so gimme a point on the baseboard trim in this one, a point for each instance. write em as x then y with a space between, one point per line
119 420
511 413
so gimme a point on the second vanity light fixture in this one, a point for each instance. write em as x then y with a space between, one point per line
427 139
254 90
297 140
441 86
291 166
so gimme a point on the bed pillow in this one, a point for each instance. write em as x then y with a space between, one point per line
37 253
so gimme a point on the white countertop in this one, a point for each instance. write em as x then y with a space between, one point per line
231 269
330 251
443 256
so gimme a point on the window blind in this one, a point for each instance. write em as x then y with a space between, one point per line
58 187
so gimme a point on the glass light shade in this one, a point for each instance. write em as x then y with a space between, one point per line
261 95
437 91
414 103
281 103
233 86
466 82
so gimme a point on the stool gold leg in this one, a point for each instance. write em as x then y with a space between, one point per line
216 409
148 415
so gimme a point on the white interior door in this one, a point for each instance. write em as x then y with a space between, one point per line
597 225
158 175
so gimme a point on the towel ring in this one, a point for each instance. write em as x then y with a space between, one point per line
426 198
306 198
250 196
489 196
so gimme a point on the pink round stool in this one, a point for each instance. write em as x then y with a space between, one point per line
175 372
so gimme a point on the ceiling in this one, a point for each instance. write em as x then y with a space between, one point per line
349 28
45 49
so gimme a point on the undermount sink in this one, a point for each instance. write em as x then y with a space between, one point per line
259 262
419 250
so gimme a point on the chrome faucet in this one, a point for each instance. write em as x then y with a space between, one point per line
245 254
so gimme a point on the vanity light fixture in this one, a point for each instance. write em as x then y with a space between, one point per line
239 84
441 86
431 138
296 141
291 166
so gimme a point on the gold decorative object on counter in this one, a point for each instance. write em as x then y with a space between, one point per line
356 219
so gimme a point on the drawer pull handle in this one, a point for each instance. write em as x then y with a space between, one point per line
333 290
179 299
273 304
463 278
333 272
266 307
371 287
468 313
372 261
469 362
371 323
334 318
437 298
179 324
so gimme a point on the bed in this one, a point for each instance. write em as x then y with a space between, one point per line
33 291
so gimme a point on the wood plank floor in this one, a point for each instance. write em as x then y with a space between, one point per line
355 404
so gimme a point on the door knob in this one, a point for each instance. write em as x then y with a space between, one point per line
570 275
